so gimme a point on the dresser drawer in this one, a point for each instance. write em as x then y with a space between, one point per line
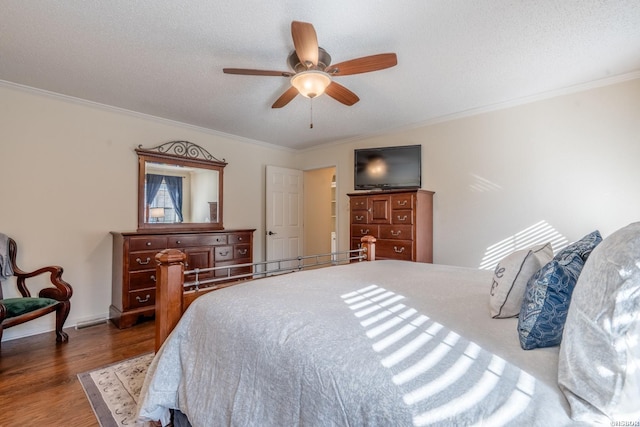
142 298
358 203
364 230
223 253
142 260
402 216
239 238
147 242
397 232
358 217
180 241
394 249
242 252
402 201
142 279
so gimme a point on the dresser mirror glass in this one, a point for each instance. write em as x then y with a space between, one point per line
179 188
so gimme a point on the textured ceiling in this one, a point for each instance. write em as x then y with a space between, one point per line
165 58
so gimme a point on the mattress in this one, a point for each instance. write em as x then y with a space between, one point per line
366 344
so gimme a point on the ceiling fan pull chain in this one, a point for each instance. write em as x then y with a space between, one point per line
311 114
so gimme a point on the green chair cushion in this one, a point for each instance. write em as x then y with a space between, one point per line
19 306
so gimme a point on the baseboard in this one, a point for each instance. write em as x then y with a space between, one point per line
91 322
47 324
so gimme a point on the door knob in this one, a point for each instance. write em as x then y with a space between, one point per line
271 233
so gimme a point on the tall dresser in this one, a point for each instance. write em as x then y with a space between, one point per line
133 291
400 220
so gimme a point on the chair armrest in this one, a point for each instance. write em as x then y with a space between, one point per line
62 290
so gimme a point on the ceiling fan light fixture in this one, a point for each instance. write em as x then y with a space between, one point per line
311 83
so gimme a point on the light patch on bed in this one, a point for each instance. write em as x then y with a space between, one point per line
466 400
399 334
446 378
359 291
381 314
359 297
409 349
374 332
423 365
370 299
405 334
400 318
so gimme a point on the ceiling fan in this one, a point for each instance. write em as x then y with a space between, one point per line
313 73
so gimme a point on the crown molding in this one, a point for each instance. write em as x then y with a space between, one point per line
144 116
490 108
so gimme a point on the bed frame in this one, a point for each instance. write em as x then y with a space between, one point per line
174 294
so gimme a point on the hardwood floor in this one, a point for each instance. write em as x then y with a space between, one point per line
38 377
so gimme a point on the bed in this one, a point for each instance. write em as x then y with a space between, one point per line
377 344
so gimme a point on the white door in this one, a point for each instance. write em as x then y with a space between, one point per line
284 213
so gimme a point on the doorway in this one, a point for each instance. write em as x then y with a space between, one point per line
320 210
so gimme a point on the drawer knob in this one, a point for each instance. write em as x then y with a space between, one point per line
364 232
239 239
143 300
148 243
152 277
402 218
398 251
143 262
178 242
396 233
242 251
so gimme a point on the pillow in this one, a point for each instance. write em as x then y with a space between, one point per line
599 362
511 276
546 302
582 247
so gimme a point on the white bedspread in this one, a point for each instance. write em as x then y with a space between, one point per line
384 343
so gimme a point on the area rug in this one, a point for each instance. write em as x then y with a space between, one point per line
113 390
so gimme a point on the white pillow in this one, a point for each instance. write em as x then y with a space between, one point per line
599 362
511 276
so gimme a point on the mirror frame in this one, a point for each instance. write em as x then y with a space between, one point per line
180 153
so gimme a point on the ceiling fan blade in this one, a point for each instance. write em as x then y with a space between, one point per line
341 94
249 72
305 42
363 65
285 98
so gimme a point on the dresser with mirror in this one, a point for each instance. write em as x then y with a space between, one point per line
180 206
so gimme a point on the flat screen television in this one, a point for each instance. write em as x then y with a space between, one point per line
387 168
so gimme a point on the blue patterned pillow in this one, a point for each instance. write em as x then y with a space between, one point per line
546 302
582 247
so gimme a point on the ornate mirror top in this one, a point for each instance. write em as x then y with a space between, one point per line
185 149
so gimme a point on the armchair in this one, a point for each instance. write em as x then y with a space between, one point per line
14 311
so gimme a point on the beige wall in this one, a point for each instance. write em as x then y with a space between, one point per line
570 161
69 177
